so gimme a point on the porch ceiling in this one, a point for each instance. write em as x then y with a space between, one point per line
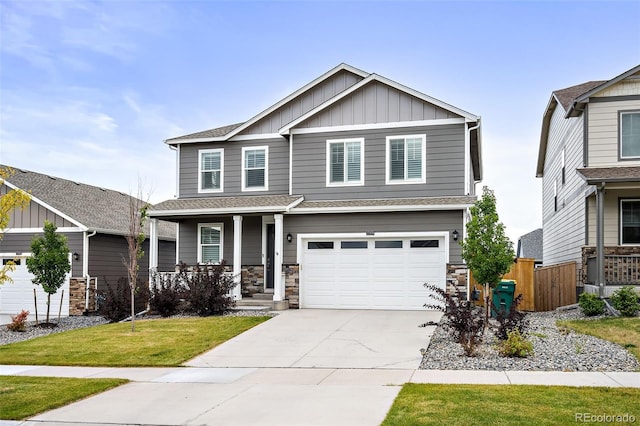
225 205
595 175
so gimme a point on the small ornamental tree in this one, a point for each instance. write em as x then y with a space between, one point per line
486 249
49 261
12 199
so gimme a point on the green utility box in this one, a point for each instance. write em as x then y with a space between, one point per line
503 297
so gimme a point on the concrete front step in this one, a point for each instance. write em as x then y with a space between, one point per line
268 304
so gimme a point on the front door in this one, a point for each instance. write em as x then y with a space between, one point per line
271 238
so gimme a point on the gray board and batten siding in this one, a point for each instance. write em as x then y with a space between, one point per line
376 103
444 165
34 215
429 221
303 103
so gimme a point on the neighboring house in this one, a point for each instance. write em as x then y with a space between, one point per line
589 162
530 246
94 220
350 192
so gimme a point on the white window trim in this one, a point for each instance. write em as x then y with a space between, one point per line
359 182
620 221
205 151
387 165
621 113
207 225
266 168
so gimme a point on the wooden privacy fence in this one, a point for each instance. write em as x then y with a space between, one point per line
555 286
543 289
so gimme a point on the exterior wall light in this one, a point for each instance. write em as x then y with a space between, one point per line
76 256
455 235
289 237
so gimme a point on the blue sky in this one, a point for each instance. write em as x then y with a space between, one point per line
89 90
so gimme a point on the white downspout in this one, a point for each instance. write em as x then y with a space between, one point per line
291 164
85 266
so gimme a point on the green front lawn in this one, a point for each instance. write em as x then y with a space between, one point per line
158 342
23 397
624 331
430 404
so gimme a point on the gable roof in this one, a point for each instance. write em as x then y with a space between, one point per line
225 133
572 99
89 207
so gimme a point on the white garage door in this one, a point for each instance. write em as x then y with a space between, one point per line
16 296
371 273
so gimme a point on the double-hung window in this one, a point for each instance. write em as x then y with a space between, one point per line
255 168
630 221
210 239
406 159
345 162
629 134
210 170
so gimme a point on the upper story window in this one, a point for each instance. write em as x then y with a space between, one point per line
630 221
210 170
406 159
563 167
255 168
210 242
345 162
630 134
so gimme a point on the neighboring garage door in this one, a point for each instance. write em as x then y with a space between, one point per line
371 273
16 296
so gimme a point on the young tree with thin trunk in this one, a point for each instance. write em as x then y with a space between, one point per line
135 238
12 199
49 261
486 249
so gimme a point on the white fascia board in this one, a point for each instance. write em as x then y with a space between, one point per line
258 136
195 140
377 126
48 207
587 95
39 230
285 129
220 211
303 89
378 209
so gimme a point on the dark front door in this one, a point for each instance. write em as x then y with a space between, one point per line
271 238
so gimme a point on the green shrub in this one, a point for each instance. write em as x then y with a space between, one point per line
591 304
516 345
625 300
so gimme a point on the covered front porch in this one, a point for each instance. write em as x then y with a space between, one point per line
247 233
613 224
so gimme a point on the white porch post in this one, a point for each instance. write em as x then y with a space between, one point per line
153 244
278 287
237 256
600 239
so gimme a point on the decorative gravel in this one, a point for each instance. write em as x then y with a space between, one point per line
554 350
71 323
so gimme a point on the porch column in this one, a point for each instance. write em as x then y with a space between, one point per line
237 257
600 238
278 287
153 244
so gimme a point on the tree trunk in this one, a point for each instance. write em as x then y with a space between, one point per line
133 308
487 306
48 305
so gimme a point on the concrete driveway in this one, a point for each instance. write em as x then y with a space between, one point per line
317 338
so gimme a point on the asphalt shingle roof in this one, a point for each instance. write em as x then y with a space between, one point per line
96 208
211 133
568 95
245 204
611 174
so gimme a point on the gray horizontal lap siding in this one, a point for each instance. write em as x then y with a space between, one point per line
438 221
251 239
278 165
444 165
21 243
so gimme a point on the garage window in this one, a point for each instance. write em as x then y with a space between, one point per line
354 245
389 244
320 245
424 243
13 261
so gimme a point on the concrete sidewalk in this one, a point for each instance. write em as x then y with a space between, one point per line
275 396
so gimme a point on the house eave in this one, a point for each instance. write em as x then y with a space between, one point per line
544 134
378 209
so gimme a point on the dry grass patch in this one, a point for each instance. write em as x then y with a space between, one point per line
623 331
155 343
